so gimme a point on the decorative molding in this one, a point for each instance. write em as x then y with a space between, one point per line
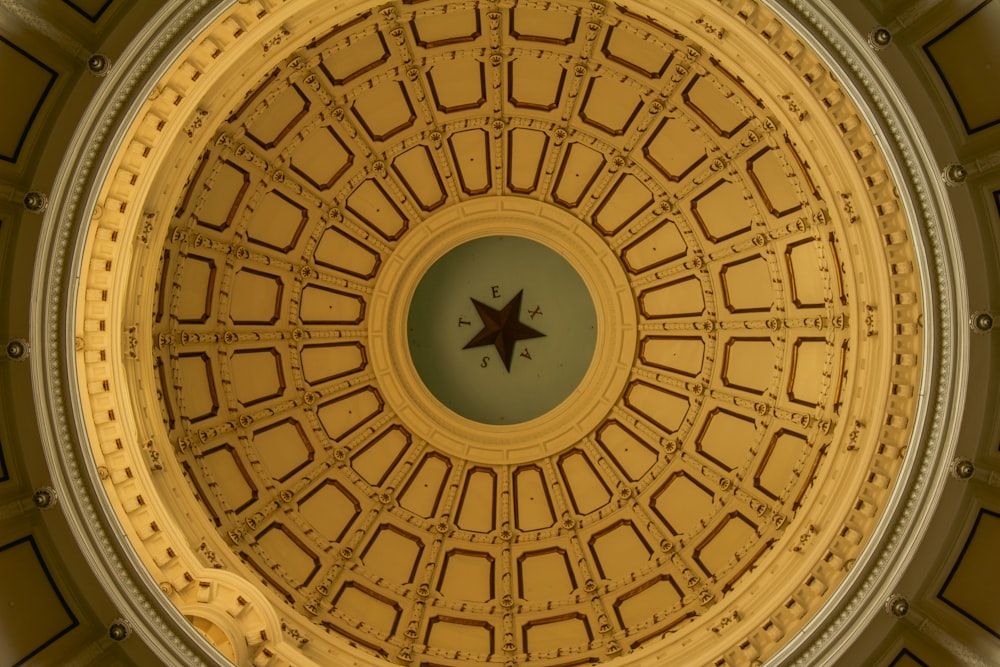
946 349
150 610
162 627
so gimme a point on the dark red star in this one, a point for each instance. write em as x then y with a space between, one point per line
502 328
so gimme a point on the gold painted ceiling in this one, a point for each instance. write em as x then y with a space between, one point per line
268 445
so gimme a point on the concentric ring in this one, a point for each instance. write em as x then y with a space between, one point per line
584 407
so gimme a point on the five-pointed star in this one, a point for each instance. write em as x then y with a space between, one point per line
502 328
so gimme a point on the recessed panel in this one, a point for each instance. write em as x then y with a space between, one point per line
325 305
806 381
628 451
373 206
376 459
222 194
322 362
636 51
683 504
257 375
457 85
193 303
455 26
298 563
384 110
330 509
32 79
419 173
544 575
610 105
659 405
283 448
675 148
532 505
718 552
726 438
470 151
361 55
684 355
392 554
683 297
538 25
656 247
586 488
280 116
467 575
473 637
722 211
715 106
425 487
322 158
783 456
967 55
558 632
641 604
580 168
906 659
277 222
810 283
746 285
195 374
366 606
525 159
340 251
749 364
92 9
231 476
972 587
619 550
255 297
478 502
535 83
346 413
775 182
34 613
627 199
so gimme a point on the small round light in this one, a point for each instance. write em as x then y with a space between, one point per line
982 322
17 349
35 201
98 64
954 174
897 605
879 38
44 497
963 468
119 631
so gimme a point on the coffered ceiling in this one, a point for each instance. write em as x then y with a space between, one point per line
735 455
763 394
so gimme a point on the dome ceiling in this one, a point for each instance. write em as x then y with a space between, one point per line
699 494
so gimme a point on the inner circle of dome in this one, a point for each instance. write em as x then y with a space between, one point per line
600 280
501 329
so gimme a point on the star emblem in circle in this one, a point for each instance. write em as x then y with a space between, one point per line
502 328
